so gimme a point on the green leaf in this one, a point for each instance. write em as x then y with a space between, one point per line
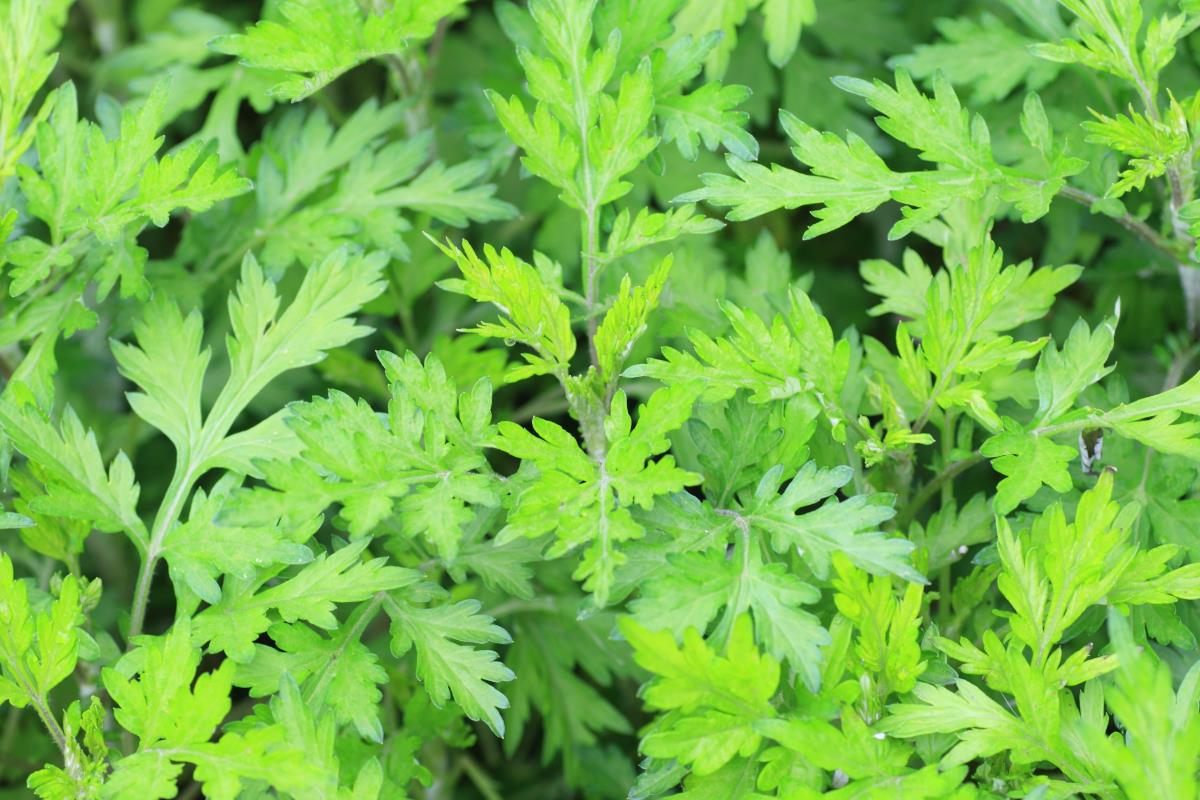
698 18
167 703
341 668
708 115
447 664
1151 144
619 143
325 186
86 770
689 594
714 700
787 632
550 153
453 195
586 503
38 648
887 628
97 192
984 54
29 31
76 482
169 364
533 313
631 233
1109 39
937 127
626 320
1158 421
1161 745
783 20
795 355
854 749
264 345
696 588
1063 375
201 549
174 714
848 179
846 526
246 610
421 466
313 736
1029 461
984 727
564 677
319 40
1056 570
952 528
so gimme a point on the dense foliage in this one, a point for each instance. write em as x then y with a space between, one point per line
713 399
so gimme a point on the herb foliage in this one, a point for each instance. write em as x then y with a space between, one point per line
710 399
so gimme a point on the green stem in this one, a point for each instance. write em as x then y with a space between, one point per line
1126 221
953 628
944 592
950 472
591 272
1178 194
177 491
589 238
947 446
479 778
543 605
947 490
42 708
11 725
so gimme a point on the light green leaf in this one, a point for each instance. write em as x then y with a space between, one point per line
708 115
1062 375
783 20
77 484
447 664
984 54
246 610
533 312
1030 461
849 526
715 700
319 40
167 704
38 648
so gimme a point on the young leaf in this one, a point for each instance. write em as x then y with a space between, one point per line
319 40
714 701
446 663
585 502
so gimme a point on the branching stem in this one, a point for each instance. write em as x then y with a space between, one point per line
1126 221
949 473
